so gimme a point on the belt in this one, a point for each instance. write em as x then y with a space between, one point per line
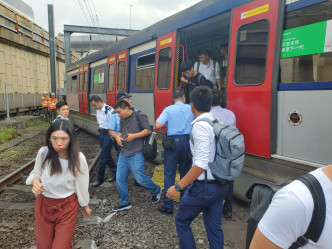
102 130
181 138
207 181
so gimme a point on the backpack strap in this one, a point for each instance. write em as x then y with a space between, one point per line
203 119
198 64
138 119
318 215
199 78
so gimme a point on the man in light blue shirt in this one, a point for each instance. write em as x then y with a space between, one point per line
178 118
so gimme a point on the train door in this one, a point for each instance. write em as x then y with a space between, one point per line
253 72
110 90
121 71
80 89
85 96
164 76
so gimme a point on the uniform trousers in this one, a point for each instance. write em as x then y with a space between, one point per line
55 221
180 155
52 115
206 198
105 157
229 199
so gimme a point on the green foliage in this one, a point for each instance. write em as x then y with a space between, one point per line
7 133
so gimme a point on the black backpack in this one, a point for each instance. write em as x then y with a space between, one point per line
260 196
150 143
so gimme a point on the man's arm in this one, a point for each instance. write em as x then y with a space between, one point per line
259 241
191 176
158 125
112 134
143 133
218 84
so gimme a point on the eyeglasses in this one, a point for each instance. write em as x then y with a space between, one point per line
62 139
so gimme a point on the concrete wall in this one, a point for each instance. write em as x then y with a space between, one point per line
24 60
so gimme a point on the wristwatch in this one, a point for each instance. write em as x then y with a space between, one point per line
178 187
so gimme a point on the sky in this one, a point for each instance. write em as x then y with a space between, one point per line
106 13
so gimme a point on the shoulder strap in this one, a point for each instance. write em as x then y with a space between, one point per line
138 119
318 216
107 108
44 153
214 67
198 64
199 78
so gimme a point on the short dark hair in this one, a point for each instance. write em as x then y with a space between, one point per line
121 104
216 97
203 51
201 98
186 65
178 93
60 104
95 98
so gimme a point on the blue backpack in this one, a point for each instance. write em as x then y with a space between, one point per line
229 157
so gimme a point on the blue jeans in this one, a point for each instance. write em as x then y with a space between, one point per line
133 164
208 200
180 155
105 157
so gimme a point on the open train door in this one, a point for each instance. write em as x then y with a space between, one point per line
121 71
253 72
80 89
165 59
110 89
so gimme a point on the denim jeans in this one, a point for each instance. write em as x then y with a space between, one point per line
180 155
201 198
133 164
105 157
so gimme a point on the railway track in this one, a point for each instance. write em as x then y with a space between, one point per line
21 171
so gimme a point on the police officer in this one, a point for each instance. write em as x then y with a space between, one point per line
178 118
104 113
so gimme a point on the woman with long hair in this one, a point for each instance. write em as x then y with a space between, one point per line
60 179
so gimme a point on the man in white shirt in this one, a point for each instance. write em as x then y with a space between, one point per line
209 68
289 215
205 194
104 112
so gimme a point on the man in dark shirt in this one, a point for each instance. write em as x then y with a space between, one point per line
192 77
131 159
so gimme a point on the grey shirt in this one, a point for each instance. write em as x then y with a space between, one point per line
130 125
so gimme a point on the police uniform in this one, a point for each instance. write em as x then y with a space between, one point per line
178 118
59 117
105 142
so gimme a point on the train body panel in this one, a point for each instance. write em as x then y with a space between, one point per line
275 80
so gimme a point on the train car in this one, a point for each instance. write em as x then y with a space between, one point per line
277 77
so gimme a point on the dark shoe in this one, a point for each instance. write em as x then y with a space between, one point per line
156 198
228 216
122 207
112 178
97 183
164 210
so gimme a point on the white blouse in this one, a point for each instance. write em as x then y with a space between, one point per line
64 184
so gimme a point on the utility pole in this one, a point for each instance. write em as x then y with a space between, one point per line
130 6
52 46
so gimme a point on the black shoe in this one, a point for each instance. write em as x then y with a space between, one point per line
122 207
112 178
97 183
228 216
164 210
156 198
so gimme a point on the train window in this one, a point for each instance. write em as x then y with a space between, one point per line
111 77
121 76
74 83
251 53
86 81
145 71
81 83
164 68
313 66
98 79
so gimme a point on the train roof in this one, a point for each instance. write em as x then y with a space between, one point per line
200 11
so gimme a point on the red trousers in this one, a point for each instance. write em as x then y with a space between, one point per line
55 221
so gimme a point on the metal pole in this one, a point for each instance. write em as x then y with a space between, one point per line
7 102
52 46
67 48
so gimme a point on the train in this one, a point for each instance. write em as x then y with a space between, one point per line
277 77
